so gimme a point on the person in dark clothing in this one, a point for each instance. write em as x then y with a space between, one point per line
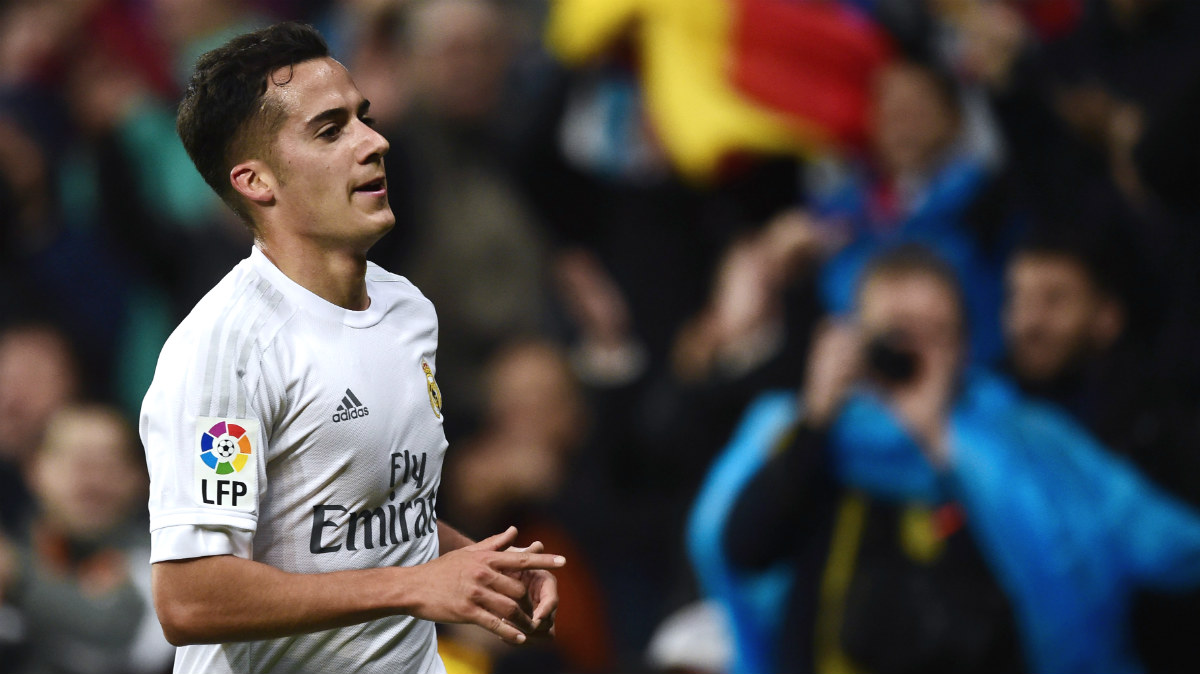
1070 342
1080 333
884 582
1071 532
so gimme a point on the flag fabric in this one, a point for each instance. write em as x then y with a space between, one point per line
721 77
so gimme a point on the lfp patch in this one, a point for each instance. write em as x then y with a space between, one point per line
226 466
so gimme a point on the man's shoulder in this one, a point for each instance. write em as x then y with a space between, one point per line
242 308
397 287
378 274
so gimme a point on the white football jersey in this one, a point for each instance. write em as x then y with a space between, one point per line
282 428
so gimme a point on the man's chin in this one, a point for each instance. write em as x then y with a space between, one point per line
387 223
379 227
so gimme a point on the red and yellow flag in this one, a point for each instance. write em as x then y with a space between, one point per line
728 76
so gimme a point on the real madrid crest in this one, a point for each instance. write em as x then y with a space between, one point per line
435 393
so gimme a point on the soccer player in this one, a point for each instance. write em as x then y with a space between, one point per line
293 429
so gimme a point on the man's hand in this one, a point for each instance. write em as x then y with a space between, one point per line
593 299
834 363
484 584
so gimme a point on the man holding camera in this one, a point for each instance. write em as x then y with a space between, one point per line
885 571
935 519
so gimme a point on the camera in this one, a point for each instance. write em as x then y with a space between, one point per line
890 359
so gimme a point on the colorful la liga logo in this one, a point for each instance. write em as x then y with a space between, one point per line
225 448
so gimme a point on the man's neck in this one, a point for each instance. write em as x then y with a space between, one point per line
335 275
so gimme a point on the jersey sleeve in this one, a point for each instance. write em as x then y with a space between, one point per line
204 427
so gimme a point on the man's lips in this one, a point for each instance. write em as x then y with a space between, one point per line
376 187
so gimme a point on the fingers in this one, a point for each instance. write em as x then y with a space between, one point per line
494 624
517 561
535 546
543 618
500 541
546 629
506 609
507 586
546 595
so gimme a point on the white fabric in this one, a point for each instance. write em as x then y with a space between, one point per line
263 367
185 541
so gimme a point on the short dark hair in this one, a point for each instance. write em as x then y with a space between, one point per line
914 259
222 116
1115 263
1103 257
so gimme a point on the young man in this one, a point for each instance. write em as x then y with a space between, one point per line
887 577
293 430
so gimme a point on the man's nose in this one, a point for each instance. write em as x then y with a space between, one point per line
375 145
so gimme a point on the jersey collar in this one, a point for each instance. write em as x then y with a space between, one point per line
313 303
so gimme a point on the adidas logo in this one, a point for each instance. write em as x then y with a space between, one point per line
351 408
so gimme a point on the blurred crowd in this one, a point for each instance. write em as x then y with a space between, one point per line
924 400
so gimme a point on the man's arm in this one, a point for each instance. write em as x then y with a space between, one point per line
451 539
196 602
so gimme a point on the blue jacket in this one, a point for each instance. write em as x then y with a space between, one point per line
1069 530
936 220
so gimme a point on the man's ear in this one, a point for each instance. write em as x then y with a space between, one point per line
254 181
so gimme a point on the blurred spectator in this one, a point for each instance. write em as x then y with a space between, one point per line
1060 318
744 325
1068 531
1068 342
38 376
922 184
82 578
887 578
465 235
525 465
1077 334
1073 109
367 35
639 246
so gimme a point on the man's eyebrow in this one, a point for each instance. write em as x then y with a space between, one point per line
330 115
337 114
